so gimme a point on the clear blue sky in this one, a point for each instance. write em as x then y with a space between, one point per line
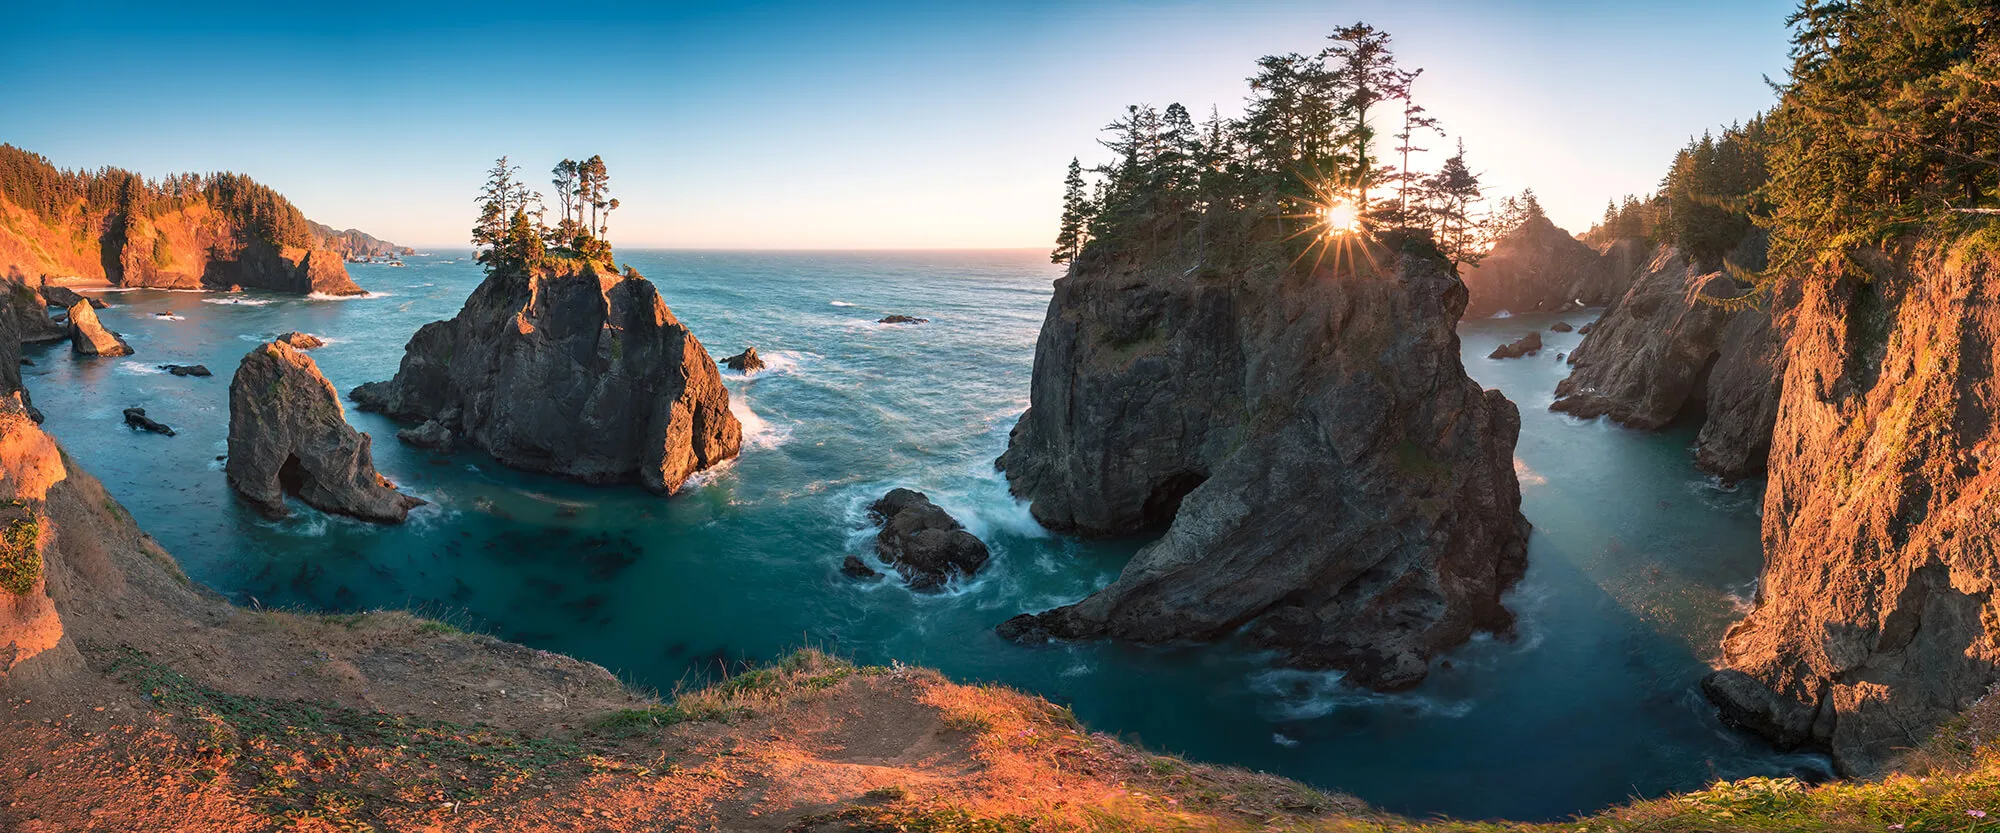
827 125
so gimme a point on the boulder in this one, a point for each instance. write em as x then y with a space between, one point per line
1561 327
745 362
302 341
1525 345
854 568
902 319
136 417
89 338
571 370
925 544
288 435
187 370
432 435
1332 485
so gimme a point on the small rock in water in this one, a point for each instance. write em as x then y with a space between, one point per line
432 434
854 568
167 314
1561 327
1527 345
1585 329
924 542
302 341
27 362
745 362
136 417
902 319
186 369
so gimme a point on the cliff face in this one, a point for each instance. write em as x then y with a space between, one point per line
1668 349
1337 488
568 370
1876 615
289 435
1540 268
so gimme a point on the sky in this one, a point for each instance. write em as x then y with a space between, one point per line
938 124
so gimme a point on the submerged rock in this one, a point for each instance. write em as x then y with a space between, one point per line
745 362
1877 614
289 435
1561 327
187 369
902 319
1333 486
1530 343
854 568
925 544
89 338
136 417
302 341
568 370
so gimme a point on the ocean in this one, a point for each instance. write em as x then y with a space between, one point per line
1637 564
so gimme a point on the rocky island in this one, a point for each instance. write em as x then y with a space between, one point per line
288 435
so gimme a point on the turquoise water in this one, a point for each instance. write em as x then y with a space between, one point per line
1637 561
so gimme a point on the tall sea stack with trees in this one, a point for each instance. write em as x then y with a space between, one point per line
1254 350
186 231
559 363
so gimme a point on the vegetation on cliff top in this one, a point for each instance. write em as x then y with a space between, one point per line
105 199
512 230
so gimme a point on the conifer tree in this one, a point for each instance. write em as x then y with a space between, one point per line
1075 231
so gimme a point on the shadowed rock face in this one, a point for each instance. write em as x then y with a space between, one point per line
89 338
926 544
1876 615
289 435
1334 487
1541 268
1525 345
1669 349
572 371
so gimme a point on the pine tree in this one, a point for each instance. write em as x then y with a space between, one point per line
1365 73
1075 231
1450 196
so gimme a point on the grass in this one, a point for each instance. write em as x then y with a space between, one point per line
21 553
804 671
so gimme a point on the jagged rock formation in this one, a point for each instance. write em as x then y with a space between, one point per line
1670 350
745 362
136 417
1525 345
302 341
89 338
1337 488
569 370
925 544
289 435
1541 268
1877 616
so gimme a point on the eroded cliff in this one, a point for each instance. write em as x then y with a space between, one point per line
288 435
1538 267
569 369
1332 484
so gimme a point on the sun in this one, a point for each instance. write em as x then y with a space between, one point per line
1339 217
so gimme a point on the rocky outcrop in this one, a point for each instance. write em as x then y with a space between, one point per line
58 295
288 435
568 370
136 417
33 642
89 338
902 319
745 362
925 544
1541 268
302 341
1681 345
1333 486
1877 616
432 435
1560 327
200 370
1525 345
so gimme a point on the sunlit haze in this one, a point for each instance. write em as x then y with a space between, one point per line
782 125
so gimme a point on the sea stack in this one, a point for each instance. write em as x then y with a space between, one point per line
89 338
568 368
289 435
1538 267
1333 486
1877 614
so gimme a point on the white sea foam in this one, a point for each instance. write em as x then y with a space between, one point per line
1502 314
321 296
757 432
237 302
137 368
167 317
1283 741
776 363
1308 695
840 303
